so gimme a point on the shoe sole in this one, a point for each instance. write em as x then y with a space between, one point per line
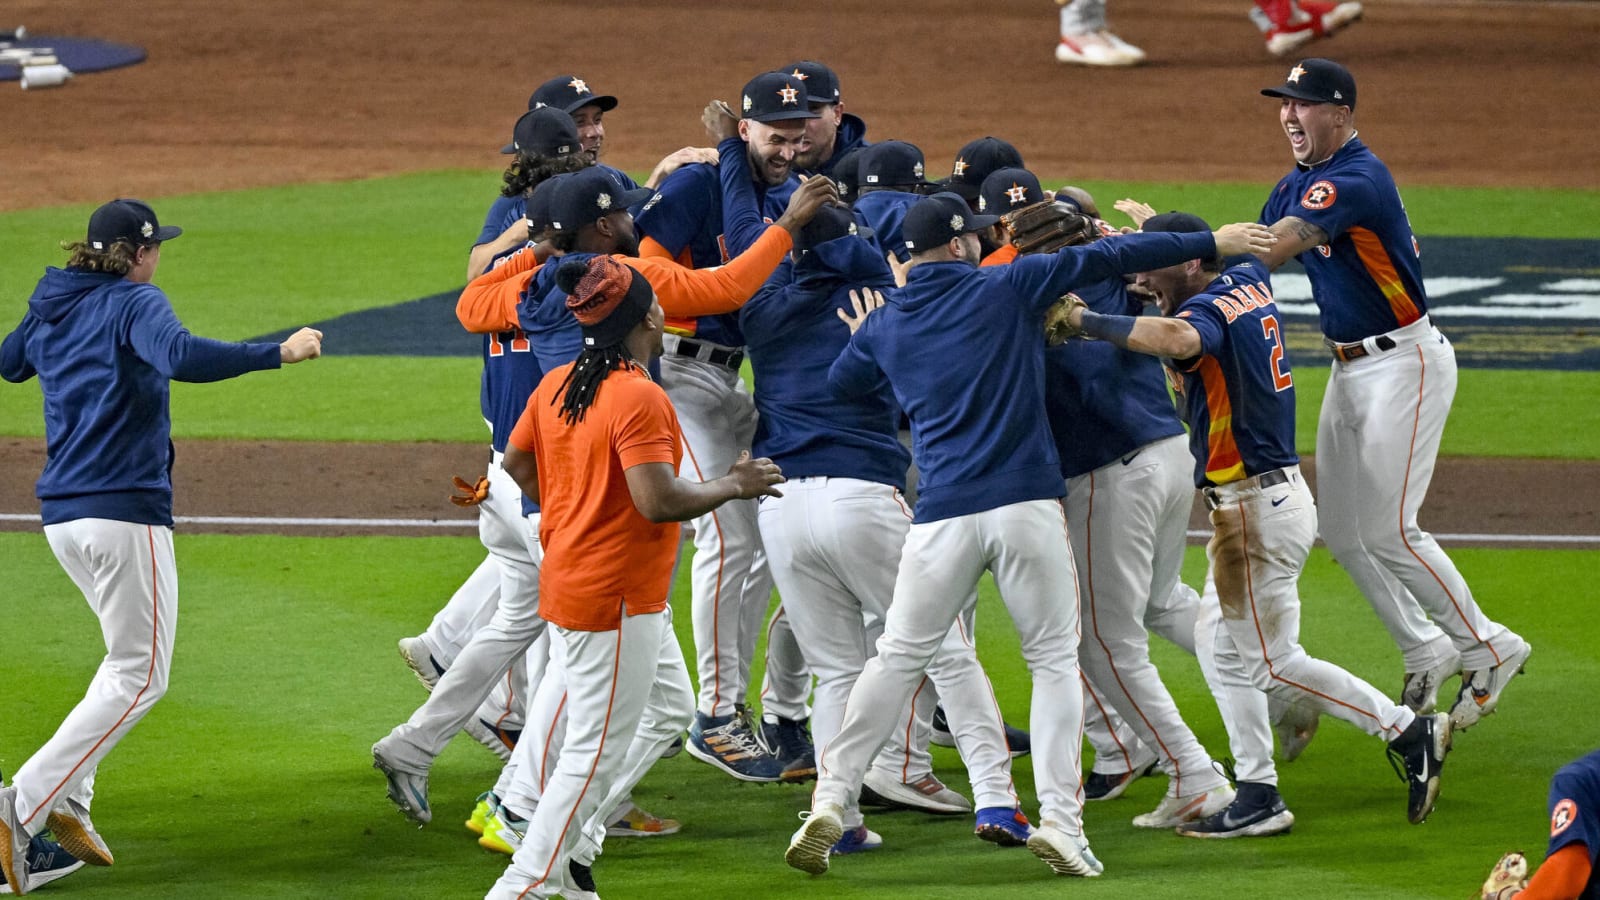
633 833
1467 713
1443 738
8 832
417 667
1058 863
799 775
710 759
1340 25
809 849
886 799
1000 835
1273 825
496 845
397 796
75 838
38 880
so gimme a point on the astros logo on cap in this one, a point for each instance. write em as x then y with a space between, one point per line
1296 72
961 167
579 85
147 229
788 95
1016 193
799 75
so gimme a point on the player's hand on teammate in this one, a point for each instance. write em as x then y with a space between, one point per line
755 477
1244 237
864 301
720 121
302 345
806 200
1134 210
898 269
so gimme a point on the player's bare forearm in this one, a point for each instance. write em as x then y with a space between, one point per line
483 254
1172 338
523 467
661 496
1295 236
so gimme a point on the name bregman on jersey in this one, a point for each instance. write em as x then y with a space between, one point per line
1241 300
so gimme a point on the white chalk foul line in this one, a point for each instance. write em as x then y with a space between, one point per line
296 522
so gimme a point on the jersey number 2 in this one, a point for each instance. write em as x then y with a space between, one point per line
1281 380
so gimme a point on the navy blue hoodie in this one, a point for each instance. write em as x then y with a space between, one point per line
963 348
105 350
794 334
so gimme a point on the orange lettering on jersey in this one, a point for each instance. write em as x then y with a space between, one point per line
1565 813
1226 305
1260 294
1320 195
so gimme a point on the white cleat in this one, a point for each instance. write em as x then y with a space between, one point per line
414 650
1065 854
1093 49
809 848
1420 691
1481 688
74 831
927 794
1175 811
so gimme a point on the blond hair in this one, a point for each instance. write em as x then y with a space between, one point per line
116 259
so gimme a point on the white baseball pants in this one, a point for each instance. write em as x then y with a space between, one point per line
1377 440
129 575
1026 546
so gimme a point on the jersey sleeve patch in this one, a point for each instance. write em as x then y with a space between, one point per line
1320 195
1562 817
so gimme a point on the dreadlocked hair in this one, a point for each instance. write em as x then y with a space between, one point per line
527 170
578 389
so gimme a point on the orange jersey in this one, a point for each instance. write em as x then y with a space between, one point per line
602 558
1000 257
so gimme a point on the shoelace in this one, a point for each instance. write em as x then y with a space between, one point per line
1397 761
742 739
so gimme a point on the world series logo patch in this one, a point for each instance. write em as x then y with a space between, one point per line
1320 195
1561 819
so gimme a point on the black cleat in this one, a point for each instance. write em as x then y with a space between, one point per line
1417 756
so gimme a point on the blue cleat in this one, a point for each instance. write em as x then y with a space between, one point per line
1003 825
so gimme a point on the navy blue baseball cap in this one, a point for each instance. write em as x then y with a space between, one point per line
537 208
822 85
976 161
128 220
829 224
775 97
890 164
937 218
1009 189
847 175
569 93
546 131
1318 81
1188 223
587 195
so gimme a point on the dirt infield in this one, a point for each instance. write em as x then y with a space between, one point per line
1464 93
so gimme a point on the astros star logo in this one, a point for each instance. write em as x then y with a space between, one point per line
579 85
1296 72
1016 193
788 95
799 75
961 167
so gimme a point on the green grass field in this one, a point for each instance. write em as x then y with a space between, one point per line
252 776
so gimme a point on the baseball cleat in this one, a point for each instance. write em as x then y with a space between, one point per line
1295 724
73 830
636 822
486 806
1019 742
414 650
1099 786
1003 825
580 883
407 790
1258 810
1417 756
1065 854
499 741
1310 21
809 848
1175 811
1420 690
927 794
1481 688
1095 49
856 840
789 740
13 843
941 736
727 743
47 862
503 832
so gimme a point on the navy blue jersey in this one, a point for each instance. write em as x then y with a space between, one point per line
1368 278
963 350
884 212
794 334
685 218
1575 814
554 331
1104 402
1239 392
501 214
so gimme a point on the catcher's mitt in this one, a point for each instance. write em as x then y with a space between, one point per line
467 494
1048 226
1510 875
1057 330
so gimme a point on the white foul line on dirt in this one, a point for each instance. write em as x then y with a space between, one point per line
292 522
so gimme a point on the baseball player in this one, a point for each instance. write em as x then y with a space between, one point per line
1569 870
1221 329
1125 458
731 586
976 161
989 496
834 133
1087 41
1394 377
105 345
890 181
599 449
